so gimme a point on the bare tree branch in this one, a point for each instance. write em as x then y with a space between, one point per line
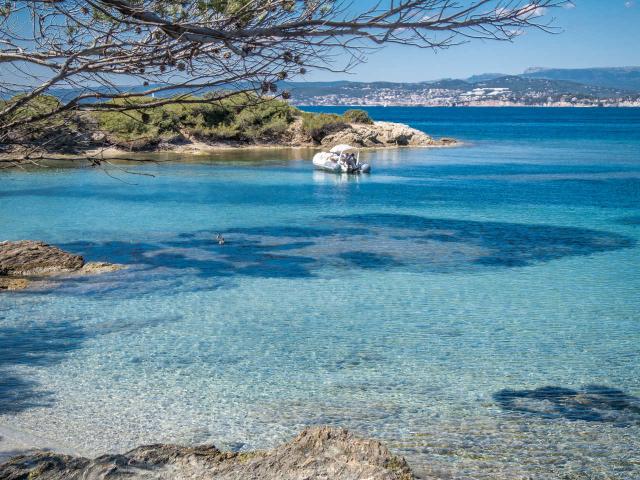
106 50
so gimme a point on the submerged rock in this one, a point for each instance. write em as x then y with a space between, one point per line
93 268
317 453
8 283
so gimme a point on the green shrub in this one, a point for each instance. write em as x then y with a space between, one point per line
239 117
209 114
319 125
126 125
221 132
40 105
56 132
275 128
131 124
264 120
357 116
36 106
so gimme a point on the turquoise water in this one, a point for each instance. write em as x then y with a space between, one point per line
477 308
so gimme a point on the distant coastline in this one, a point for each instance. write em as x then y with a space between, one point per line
471 105
540 88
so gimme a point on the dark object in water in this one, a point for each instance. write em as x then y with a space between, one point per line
592 403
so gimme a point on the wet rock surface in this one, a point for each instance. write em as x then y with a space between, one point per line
7 283
93 268
317 453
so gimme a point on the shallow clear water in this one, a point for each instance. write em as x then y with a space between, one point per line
478 308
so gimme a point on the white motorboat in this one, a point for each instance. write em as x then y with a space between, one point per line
340 159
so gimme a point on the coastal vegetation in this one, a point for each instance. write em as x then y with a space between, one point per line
50 133
357 116
320 125
240 119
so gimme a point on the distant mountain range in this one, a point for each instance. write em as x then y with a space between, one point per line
625 78
536 86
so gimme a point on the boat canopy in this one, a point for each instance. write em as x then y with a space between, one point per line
343 149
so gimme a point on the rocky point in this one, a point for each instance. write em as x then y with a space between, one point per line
317 453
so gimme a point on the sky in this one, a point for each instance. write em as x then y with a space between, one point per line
594 33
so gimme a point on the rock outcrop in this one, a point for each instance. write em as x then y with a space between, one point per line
317 453
28 258
362 135
24 260
382 134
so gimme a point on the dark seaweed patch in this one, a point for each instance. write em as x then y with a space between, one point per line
593 403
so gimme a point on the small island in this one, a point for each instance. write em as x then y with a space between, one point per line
239 121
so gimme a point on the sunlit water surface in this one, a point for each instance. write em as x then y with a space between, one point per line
477 308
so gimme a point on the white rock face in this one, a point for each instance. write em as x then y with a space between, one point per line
382 134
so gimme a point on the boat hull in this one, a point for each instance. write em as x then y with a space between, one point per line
323 161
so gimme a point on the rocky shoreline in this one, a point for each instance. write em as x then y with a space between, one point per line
27 261
316 453
375 135
366 136
383 134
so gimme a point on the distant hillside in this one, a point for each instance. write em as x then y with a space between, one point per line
624 78
521 85
503 90
536 87
448 83
320 89
483 77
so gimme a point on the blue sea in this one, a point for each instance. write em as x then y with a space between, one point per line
477 308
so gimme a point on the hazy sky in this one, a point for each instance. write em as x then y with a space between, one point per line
595 33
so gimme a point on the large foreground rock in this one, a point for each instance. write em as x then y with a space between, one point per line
317 453
33 259
28 257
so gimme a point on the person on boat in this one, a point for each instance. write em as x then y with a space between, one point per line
342 160
350 161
